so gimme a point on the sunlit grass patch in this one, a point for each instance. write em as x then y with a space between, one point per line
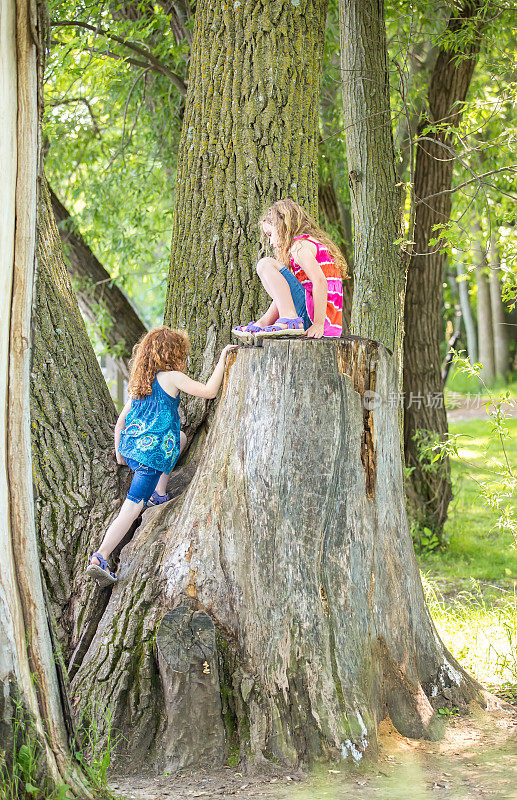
476 548
479 626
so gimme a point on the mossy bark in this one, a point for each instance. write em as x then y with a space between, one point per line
429 490
249 137
77 482
379 269
33 704
279 598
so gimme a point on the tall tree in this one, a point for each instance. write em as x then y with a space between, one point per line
429 490
285 614
379 268
484 307
499 327
466 311
77 482
34 701
249 136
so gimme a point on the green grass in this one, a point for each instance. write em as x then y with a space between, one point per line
479 627
475 548
471 586
458 381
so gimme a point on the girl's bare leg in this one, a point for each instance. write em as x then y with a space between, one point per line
268 270
269 317
161 487
129 511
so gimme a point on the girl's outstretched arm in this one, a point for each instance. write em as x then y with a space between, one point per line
120 425
305 257
179 381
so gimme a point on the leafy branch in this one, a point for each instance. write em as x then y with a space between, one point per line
152 62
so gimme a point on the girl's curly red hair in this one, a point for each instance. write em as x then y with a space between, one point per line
160 349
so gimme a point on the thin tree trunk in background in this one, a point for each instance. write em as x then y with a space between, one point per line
77 482
429 490
421 58
249 137
95 288
500 330
33 699
484 309
466 311
379 273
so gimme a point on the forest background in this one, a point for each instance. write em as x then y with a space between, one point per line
115 86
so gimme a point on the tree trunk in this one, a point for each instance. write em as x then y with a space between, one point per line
276 608
429 490
95 288
32 696
379 274
484 309
466 311
249 137
500 330
77 483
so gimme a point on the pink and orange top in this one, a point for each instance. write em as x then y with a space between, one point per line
334 314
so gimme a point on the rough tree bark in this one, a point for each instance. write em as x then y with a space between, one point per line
249 137
484 308
379 274
429 491
77 483
31 689
94 288
500 330
277 607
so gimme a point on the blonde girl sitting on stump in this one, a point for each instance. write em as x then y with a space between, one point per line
304 279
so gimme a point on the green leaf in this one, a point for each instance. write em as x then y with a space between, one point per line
24 759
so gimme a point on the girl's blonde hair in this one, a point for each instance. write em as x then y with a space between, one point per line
160 349
290 220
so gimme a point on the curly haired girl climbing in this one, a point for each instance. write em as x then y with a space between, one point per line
147 433
307 297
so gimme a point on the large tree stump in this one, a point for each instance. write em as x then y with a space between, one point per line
293 538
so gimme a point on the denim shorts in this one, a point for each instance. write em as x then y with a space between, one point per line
145 481
298 295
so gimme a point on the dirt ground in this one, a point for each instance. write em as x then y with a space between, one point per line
475 760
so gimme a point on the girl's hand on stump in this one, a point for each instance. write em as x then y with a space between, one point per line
227 349
315 331
120 459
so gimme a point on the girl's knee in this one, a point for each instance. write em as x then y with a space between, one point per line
134 507
265 263
183 441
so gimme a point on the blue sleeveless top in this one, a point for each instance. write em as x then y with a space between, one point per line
152 432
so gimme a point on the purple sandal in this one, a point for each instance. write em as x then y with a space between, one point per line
101 571
157 499
293 328
246 331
